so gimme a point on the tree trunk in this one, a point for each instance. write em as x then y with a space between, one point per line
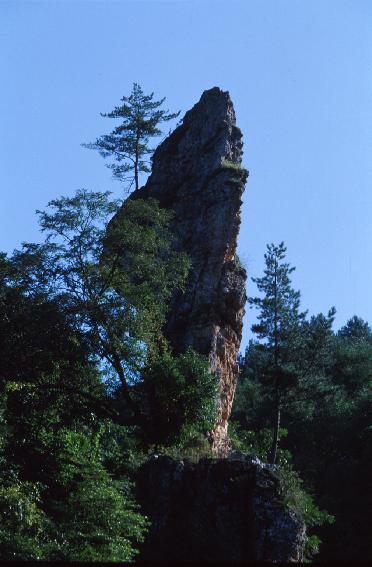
275 442
136 163
136 184
115 361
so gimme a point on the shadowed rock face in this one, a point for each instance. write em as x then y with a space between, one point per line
228 510
196 172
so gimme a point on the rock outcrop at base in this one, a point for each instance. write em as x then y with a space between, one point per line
197 172
216 510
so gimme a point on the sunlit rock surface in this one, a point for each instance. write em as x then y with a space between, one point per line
197 173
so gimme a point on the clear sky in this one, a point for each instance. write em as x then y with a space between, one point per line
299 73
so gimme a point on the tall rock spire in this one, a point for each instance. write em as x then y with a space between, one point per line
197 172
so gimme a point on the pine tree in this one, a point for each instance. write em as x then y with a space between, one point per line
279 321
356 329
128 143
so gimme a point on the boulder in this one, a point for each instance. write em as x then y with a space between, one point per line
217 510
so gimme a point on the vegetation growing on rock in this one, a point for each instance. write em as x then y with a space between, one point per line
119 339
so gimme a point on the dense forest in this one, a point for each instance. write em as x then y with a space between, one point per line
91 387
304 401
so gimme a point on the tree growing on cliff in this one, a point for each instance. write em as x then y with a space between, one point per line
128 143
113 285
87 293
279 322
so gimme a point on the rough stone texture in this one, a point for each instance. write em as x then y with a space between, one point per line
196 172
216 510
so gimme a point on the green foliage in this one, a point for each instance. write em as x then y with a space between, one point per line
99 523
111 285
327 416
240 173
23 524
352 363
179 394
121 450
87 294
356 329
87 378
90 387
72 509
292 490
278 307
226 164
253 403
57 498
318 384
257 442
97 518
193 446
144 269
301 500
128 143
279 321
39 323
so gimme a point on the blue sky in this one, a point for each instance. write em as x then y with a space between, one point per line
299 74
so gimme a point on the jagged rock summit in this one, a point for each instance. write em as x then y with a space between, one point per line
197 172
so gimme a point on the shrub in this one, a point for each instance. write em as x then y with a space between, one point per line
179 397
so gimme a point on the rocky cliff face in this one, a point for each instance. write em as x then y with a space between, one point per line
197 173
216 510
